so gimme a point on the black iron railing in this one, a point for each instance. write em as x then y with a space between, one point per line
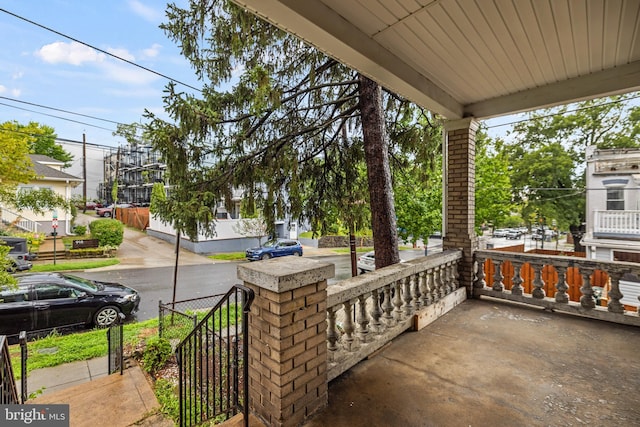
213 362
8 388
116 345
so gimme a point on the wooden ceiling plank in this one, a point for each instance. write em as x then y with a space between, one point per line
613 81
630 25
467 21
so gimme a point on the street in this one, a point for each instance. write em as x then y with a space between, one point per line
194 281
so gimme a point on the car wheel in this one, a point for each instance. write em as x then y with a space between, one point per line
106 214
265 256
106 316
297 253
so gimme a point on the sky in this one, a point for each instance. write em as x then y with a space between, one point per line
42 72
40 67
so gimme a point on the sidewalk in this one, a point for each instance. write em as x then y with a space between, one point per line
116 400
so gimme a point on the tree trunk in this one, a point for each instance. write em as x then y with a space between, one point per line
383 214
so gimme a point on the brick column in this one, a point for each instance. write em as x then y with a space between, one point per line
459 193
287 338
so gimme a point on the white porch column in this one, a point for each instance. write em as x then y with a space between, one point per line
459 193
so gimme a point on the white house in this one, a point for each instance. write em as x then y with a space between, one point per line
613 211
49 175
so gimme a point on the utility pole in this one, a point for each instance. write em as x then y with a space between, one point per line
84 172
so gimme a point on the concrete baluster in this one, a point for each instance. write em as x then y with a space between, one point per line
562 286
538 284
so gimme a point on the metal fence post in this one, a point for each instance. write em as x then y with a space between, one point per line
160 318
23 365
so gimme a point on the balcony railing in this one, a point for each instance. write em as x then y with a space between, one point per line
558 283
366 312
617 223
15 219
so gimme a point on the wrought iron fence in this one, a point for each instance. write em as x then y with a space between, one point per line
8 388
177 319
115 335
213 362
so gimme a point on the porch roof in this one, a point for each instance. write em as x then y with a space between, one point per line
470 58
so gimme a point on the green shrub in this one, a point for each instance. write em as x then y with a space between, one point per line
156 354
109 232
80 230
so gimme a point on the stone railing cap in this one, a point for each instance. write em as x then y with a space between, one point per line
285 273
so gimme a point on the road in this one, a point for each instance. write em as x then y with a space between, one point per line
194 281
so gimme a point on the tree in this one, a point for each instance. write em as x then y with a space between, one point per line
15 165
16 168
6 279
41 139
278 132
493 187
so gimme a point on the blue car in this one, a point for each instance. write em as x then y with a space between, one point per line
275 248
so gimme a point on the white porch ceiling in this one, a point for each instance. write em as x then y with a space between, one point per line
480 58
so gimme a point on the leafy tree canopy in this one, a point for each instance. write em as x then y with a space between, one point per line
16 143
289 130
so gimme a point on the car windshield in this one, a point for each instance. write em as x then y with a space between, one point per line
82 283
270 244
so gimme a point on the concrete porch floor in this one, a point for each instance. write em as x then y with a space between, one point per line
490 363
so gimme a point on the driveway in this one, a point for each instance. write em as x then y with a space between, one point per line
138 250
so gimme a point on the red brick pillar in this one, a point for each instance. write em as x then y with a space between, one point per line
287 338
460 193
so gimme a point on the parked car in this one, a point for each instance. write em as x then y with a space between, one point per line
91 205
18 248
18 264
513 234
107 212
367 262
274 248
43 301
499 232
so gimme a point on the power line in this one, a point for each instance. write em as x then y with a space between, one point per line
100 50
57 117
59 109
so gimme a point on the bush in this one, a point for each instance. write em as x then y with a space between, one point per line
156 354
80 230
109 232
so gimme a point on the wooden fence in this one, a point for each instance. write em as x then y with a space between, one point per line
134 217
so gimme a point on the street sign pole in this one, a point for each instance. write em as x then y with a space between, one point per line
54 225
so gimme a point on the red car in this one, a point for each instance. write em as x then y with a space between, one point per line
107 212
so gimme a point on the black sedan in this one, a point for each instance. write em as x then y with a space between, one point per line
43 301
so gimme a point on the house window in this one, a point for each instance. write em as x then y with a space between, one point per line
615 199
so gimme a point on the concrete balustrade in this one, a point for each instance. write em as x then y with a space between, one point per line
556 295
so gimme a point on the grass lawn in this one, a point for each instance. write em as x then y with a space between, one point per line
56 349
228 256
74 265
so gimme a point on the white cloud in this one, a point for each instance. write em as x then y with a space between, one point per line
18 75
146 12
153 51
69 53
13 92
122 53
125 73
